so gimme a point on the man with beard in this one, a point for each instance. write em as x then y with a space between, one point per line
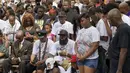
64 47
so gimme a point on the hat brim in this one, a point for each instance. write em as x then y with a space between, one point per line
41 36
62 34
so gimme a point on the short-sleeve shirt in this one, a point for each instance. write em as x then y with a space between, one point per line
69 47
103 32
120 40
37 44
58 27
84 40
125 19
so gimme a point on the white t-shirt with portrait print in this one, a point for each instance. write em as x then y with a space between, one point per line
84 40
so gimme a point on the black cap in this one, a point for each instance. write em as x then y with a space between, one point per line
63 32
41 33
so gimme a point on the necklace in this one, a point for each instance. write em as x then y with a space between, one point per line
29 28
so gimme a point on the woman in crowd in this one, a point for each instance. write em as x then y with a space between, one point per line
86 46
29 27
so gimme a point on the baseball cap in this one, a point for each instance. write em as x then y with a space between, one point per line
50 63
63 32
41 33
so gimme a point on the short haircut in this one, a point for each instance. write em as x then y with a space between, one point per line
92 11
109 7
41 67
99 10
84 15
13 15
11 11
20 4
42 7
67 1
28 5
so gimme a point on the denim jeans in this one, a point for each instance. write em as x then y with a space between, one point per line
102 66
92 63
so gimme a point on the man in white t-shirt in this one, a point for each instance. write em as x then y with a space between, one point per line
103 27
3 25
41 49
62 24
79 5
64 47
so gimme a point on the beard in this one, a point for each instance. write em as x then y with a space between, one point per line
65 10
63 42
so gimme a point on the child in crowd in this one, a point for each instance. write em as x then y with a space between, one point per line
48 28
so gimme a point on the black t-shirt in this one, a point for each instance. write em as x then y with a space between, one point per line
120 40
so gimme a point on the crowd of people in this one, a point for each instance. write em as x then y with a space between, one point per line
65 36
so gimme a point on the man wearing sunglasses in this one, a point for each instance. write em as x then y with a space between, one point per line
40 51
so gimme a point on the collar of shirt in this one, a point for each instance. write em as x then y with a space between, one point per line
22 41
10 24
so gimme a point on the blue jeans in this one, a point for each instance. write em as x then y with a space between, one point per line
102 66
92 63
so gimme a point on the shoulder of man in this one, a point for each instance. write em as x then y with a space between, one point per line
27 42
